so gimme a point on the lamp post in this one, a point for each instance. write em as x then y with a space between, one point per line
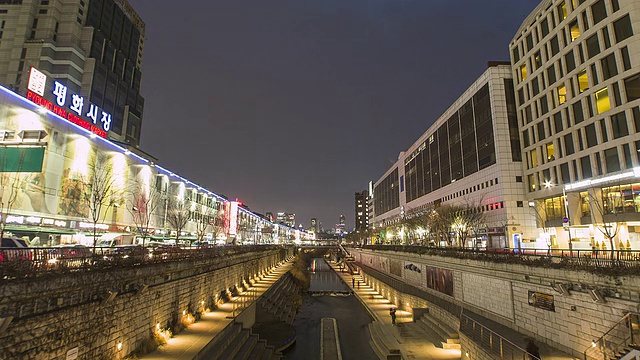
566 215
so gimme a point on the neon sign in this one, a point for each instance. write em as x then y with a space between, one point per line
94 119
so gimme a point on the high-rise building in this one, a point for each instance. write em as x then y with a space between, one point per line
314 225
291 220
577 83
362 211
470 158
92 49
269 216
288 219
341 225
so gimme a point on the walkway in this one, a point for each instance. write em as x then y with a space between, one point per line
414 344
186 344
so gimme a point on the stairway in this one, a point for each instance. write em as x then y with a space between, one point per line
447 337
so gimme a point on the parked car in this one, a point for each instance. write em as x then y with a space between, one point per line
131 252
14 248
69 253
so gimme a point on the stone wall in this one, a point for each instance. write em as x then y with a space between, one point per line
94 311
502 292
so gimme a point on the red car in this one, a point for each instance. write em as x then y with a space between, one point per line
14 248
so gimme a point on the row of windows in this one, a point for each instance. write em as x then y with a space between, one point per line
386 194
599 163
623 198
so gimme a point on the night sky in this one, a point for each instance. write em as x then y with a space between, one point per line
295 105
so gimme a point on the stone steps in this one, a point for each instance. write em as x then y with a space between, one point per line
448 338
384 343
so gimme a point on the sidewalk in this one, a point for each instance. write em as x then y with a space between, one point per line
414 343
191 340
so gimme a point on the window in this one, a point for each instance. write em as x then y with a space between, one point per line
541 133
555 46
602 100
537 60
516 54
578 115
570 61
626 60
568 144
534 158
593 46
562 11
615 5
627 156
551 74
519 179
551 154
609 69
529 41
585 164
525 138
619 125
562 94
603 131
594 74
544 26
574 30
622 28
564 171
636 118
606 38
535 86
616 95
528 114
520 203
611 159
544 105
599 11
632 87
521 96
583 81
523 72
42 11
557 121
532 182
592 139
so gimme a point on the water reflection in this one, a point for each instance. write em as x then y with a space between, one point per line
323 278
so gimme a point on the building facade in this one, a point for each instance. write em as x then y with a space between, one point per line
576 68
469 157
92 47
53 164
362 211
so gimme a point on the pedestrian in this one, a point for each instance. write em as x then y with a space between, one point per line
358 284
353 282
392 312
533 350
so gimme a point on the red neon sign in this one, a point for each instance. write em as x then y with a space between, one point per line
39 100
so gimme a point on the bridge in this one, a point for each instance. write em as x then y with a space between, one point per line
108 305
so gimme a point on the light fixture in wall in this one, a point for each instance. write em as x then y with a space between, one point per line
596 296
5 320
111 294
560 287
119 346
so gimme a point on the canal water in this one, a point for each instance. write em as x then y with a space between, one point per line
328 298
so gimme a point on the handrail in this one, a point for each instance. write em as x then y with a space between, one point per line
627 338
525 353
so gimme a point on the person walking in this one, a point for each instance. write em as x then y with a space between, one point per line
353 282
533 350
392 312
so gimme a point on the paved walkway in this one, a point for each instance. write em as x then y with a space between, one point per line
415 344
186 344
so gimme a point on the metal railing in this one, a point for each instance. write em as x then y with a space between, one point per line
491 341
617 340
575 258
31 262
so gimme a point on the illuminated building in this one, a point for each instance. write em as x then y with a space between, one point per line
470 158
52 157
93 47
341 225
362 211
314 225
576 67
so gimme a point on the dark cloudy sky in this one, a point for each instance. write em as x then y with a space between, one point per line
294 105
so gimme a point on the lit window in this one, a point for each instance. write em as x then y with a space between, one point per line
562 11
534 158
574 29
532 183
602 100
562 95
551 154
523 72
583 81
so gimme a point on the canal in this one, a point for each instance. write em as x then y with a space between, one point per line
329 297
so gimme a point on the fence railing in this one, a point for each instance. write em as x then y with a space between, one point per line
582 258
491 341
30 262
625 333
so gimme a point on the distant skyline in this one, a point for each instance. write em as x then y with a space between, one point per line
295 106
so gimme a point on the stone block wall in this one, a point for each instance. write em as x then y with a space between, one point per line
501 292
64 313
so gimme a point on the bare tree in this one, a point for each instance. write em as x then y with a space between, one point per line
204 222
606 208
444 222
99 191
143 202
216 220
177 215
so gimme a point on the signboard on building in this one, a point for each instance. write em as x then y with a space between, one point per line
541 300
68 105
